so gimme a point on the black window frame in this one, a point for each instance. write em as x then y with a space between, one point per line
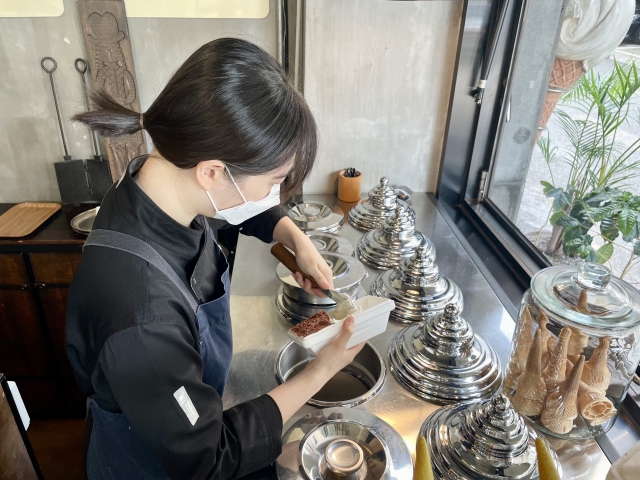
470 139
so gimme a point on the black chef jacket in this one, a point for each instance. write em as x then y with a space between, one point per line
132 341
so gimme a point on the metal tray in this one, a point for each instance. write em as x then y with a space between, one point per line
83 223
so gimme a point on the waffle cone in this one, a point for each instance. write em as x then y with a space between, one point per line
564 74
543 320
577 342
596 374
554 373
595 408
531 390
521 348
562 405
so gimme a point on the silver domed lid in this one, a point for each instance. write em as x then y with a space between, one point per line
443 361
418 288
316 216
395 239
483 440
345 443
382 202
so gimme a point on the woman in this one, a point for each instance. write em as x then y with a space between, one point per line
148 326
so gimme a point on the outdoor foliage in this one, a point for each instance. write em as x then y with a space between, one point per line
600 168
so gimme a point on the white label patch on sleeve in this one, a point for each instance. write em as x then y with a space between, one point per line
186 404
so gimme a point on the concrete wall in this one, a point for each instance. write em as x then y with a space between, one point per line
29 137
378 76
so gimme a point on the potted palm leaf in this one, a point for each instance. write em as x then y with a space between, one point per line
594 202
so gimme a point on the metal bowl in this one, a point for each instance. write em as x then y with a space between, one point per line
326 242
295 311
347 275
358 382
83 223
316 216
343 438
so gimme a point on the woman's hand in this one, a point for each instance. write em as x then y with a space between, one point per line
335 356
294 393
307 257
311 262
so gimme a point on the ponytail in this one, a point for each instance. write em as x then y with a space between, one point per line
230 101
110 119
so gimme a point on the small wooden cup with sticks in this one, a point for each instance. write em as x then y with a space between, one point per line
349 185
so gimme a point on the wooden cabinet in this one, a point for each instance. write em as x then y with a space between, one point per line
23 349
35 273
54 309
54 268
12 270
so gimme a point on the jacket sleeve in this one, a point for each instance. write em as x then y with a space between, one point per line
145 365
262 226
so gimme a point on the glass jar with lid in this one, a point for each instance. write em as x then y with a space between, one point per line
575 350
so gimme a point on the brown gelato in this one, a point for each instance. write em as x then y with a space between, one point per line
312 324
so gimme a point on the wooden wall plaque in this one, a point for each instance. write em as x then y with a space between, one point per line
109 55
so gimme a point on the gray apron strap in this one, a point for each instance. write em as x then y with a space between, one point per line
135 246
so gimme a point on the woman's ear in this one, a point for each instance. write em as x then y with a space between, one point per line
210 174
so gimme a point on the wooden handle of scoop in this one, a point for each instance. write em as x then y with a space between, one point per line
288 259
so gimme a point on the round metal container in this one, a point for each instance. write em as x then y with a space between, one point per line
443 361
417 287
348 272
295 311
383 200
83 223
484 440
344 444
326 242
316 216
394 240
358 382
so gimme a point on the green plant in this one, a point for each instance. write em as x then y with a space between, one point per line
596 157
615 213
600 167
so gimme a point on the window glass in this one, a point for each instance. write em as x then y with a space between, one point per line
566 167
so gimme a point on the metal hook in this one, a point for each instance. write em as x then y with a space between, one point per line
49 71
55 101
83 66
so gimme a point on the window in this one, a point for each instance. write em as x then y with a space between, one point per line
544 167
565 167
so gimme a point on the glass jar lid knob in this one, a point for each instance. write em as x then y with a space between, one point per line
593 276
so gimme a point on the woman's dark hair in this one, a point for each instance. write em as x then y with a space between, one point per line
230 101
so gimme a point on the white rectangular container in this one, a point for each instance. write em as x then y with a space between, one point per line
370 321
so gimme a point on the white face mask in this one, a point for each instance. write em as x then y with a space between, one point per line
237 215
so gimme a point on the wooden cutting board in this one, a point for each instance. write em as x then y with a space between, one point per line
23 218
